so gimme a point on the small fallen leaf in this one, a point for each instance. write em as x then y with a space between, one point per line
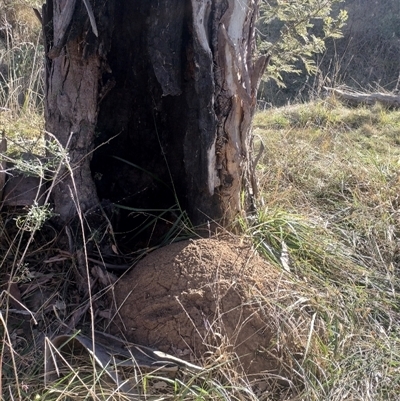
159 385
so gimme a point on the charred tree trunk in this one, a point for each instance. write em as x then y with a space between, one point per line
162 94
75 62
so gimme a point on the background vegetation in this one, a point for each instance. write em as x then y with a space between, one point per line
366 57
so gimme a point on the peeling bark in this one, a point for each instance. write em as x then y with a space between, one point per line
239 76
167 86
74 64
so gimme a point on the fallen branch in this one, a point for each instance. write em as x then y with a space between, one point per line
111 355
356 98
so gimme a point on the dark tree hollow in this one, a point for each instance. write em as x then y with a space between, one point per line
159 103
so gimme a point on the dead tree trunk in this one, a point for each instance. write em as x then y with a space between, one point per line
162 94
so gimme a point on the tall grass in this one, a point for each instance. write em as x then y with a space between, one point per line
21 76
21 58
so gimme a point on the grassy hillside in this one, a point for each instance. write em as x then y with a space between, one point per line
328 220
330 177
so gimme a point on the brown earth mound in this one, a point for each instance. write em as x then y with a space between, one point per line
202 298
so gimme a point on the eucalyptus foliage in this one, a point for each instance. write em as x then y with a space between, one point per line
294 30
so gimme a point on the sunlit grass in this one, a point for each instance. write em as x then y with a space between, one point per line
330 218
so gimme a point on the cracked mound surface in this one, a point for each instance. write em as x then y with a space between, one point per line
202 297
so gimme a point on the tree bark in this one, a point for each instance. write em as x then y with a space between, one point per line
75 62
165 95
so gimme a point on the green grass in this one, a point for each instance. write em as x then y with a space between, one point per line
329 218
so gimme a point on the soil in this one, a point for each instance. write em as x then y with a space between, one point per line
203 299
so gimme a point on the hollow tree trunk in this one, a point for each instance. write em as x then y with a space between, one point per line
165 94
